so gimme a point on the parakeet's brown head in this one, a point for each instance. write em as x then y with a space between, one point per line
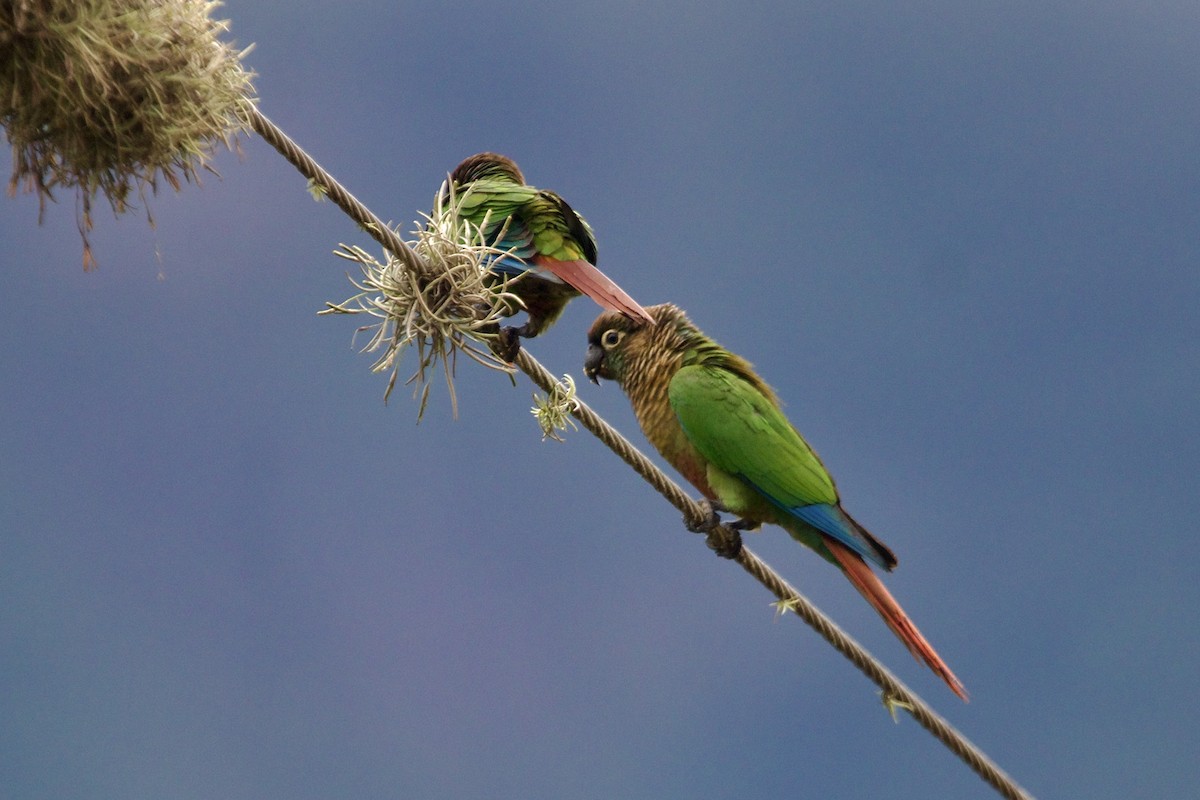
640 356
483 166
618 345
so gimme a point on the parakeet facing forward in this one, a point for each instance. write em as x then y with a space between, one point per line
707 412
553 249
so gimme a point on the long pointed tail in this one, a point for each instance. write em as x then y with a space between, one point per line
871 588
595 284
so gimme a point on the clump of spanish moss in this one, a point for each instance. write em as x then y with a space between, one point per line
109 96
452 304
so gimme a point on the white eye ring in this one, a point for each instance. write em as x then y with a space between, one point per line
611 338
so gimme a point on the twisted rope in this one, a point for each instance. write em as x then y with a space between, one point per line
721 537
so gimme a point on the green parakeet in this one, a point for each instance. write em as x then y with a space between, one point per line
551 248
720 425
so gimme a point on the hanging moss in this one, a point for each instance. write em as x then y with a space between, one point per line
108 96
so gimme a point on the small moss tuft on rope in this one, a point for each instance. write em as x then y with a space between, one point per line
449 303
109 96
554 409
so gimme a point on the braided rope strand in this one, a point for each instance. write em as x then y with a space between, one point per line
694 514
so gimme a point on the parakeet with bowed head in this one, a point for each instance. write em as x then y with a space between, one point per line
551 248
707 412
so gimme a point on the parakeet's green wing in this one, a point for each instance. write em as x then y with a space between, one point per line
558 232
740 431
539 222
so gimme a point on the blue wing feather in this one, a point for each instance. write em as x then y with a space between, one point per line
832 521
507 265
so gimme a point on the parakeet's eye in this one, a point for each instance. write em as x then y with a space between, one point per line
611 338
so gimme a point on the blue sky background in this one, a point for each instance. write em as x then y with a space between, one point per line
960 240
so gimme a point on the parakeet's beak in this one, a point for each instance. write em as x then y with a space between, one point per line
591 364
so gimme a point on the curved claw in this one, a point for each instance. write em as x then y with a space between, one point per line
711 519
723 539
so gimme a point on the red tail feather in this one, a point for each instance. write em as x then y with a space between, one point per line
595 284
870 587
